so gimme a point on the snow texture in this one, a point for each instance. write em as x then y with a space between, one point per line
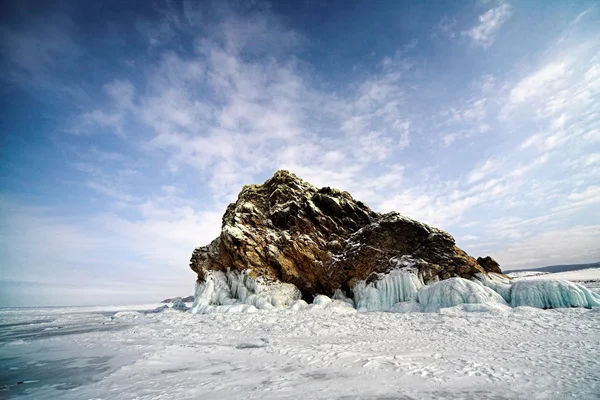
588 274
83 353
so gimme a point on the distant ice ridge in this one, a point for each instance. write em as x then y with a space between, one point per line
238 292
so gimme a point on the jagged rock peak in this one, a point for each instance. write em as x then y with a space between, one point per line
322 240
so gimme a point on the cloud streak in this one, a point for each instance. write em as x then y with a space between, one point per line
490 22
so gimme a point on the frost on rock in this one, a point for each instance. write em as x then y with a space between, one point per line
546 293
399 285
457 291
233 288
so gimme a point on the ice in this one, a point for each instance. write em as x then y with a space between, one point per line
340 295
400 290
160 308
497 283
321 300
407 307
232 308
178 304
231 288
541 292
548 293
126 315
298 305
457 291
399 285
324 303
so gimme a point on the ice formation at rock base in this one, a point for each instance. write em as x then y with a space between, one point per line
400 290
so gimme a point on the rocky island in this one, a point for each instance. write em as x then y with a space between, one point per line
287 243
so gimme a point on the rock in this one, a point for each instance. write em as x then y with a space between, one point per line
322 240
489 264
188 299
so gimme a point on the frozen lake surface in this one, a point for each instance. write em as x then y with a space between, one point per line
89 353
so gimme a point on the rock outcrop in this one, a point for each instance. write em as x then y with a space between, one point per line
323 241
187 299
489 264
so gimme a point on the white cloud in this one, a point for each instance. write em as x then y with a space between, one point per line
574 245
489 166
579 199
125 260
259 114
235 102
582 14
550 77
490 23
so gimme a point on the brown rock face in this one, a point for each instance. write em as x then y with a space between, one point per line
489 264
321 240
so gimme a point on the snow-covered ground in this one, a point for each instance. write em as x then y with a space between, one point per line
523 274
581 275
93 353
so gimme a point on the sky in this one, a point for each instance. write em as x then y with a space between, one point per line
128 126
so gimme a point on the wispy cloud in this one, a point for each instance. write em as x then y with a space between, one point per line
209 97
490 22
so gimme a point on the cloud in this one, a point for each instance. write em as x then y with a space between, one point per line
490 23
574 245
232 114
119 259
488 167
212 99
550 77
582 14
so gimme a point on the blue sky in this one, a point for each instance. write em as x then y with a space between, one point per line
127 127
